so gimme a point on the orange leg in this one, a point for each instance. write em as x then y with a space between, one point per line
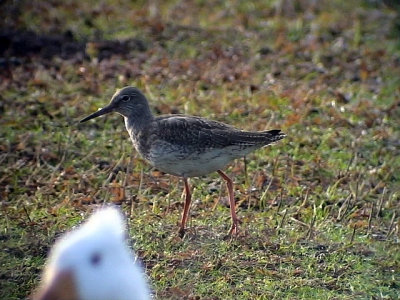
235 221
186 207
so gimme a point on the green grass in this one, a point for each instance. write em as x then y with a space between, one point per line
319 210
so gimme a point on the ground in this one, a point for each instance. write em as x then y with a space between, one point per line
319 210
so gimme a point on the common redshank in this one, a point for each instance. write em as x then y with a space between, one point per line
185 146
93 262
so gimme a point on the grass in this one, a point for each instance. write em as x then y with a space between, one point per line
319 210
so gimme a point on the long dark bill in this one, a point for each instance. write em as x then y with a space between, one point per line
103 111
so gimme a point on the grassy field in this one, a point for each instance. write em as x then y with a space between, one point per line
319 210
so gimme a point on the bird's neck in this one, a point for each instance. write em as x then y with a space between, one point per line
138 120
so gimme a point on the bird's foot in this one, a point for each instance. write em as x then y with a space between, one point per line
181 232
234 231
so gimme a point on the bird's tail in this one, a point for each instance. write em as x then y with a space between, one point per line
272 136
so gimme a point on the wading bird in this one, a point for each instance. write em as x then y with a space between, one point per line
185 146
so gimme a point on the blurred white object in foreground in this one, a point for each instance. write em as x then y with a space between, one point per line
93 262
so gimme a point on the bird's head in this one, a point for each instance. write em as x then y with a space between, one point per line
126 101
93 262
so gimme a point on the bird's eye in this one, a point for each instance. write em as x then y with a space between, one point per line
125 98
95 259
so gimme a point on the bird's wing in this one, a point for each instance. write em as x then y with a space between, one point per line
189 130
